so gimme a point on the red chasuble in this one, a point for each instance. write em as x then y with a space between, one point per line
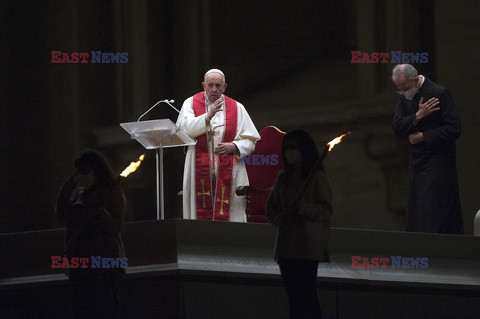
202 169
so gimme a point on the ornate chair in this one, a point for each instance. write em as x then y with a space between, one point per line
262 166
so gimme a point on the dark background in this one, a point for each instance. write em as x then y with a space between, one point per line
288 62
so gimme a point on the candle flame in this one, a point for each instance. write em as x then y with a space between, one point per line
133 166
336 141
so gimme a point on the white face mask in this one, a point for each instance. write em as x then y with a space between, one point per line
410 93
293 156
86 180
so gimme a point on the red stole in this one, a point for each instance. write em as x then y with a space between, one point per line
225 167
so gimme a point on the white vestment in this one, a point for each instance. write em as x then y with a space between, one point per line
245 139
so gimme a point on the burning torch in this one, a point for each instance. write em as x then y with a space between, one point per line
328 147
132 167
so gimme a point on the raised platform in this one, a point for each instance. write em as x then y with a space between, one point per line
198 269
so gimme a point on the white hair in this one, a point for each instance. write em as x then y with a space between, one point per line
215 71
406 70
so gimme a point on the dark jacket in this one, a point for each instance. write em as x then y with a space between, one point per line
433 199
94 220
440 129
303 227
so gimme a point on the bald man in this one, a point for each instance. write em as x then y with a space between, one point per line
214 167
426 116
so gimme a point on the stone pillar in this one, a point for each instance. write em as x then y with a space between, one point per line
137 34
192 46
144 29
365 27
457 32
64 99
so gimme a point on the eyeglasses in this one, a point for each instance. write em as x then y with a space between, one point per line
405 91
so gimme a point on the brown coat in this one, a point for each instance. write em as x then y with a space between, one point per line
303 227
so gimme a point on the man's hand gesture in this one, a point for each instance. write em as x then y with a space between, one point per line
427 108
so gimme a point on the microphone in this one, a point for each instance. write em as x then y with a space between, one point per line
162 101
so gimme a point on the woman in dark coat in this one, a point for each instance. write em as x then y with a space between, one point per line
300 204
91 203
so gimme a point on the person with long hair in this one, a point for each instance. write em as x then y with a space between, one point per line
300 205
91 204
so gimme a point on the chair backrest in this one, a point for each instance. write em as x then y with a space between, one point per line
263 166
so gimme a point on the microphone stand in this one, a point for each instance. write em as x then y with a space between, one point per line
162 101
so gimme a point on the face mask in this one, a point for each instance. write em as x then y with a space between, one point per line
410 93
86 180
293 156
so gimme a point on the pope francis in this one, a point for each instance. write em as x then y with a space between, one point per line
214 167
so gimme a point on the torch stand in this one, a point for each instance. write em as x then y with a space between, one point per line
158 134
